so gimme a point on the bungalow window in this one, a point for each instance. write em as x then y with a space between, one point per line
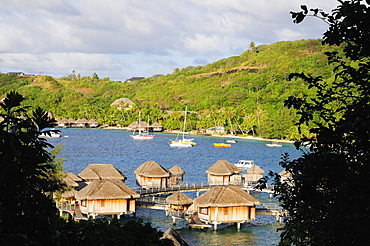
102 203
83 203
203 211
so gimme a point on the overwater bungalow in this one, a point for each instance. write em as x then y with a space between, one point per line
223 172
73 182
253 174
177 175
101 171
107 197
178 201
151 175
225 204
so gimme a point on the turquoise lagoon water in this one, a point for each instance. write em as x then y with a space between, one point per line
92 146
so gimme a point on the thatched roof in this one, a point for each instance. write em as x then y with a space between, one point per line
156 124
69 194
225 196
101 171
255 170
92 121
223 167
122 101
106 189
81 121
74 177
179 198
177 240
143 124
285 174
176 170
151 169
70 182
134 124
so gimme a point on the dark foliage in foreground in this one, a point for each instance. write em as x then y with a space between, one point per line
328 196
29 176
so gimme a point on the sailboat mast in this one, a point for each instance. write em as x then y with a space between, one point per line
183 131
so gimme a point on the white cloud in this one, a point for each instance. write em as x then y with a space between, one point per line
112 36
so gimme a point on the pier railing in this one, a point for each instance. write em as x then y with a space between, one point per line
194 186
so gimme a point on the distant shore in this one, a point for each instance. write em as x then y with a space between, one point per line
212 135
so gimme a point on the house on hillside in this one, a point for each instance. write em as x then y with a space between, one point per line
216 130
132 79
225 204
151 175
107 197
122 103
223 172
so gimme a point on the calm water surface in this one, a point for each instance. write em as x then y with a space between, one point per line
92 146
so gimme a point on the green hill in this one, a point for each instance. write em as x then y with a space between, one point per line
241 92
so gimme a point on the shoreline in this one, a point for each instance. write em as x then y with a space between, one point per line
211 135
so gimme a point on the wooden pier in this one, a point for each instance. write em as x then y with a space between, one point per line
194 187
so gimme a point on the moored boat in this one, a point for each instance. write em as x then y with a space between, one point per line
231 140
142 135
245 164
184 142
274 144
221 144
51 134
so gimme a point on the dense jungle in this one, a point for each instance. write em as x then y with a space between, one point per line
245 93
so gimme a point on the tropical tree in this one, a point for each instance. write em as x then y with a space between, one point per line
28 175
328 194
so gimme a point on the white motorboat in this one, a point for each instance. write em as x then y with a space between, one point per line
245 164
231 140
274 144
51 134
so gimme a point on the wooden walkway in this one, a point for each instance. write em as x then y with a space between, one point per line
196 187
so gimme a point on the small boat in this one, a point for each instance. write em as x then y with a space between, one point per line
221 144
51 134
231 140
245 164
184 142
142 135
274 144
178 144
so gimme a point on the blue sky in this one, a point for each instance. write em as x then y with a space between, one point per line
120 39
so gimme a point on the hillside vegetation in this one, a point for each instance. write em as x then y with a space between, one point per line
242 92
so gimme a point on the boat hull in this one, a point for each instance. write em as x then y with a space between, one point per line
177 144
222 145
142 137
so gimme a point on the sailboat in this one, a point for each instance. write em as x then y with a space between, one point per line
184 142
142 135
